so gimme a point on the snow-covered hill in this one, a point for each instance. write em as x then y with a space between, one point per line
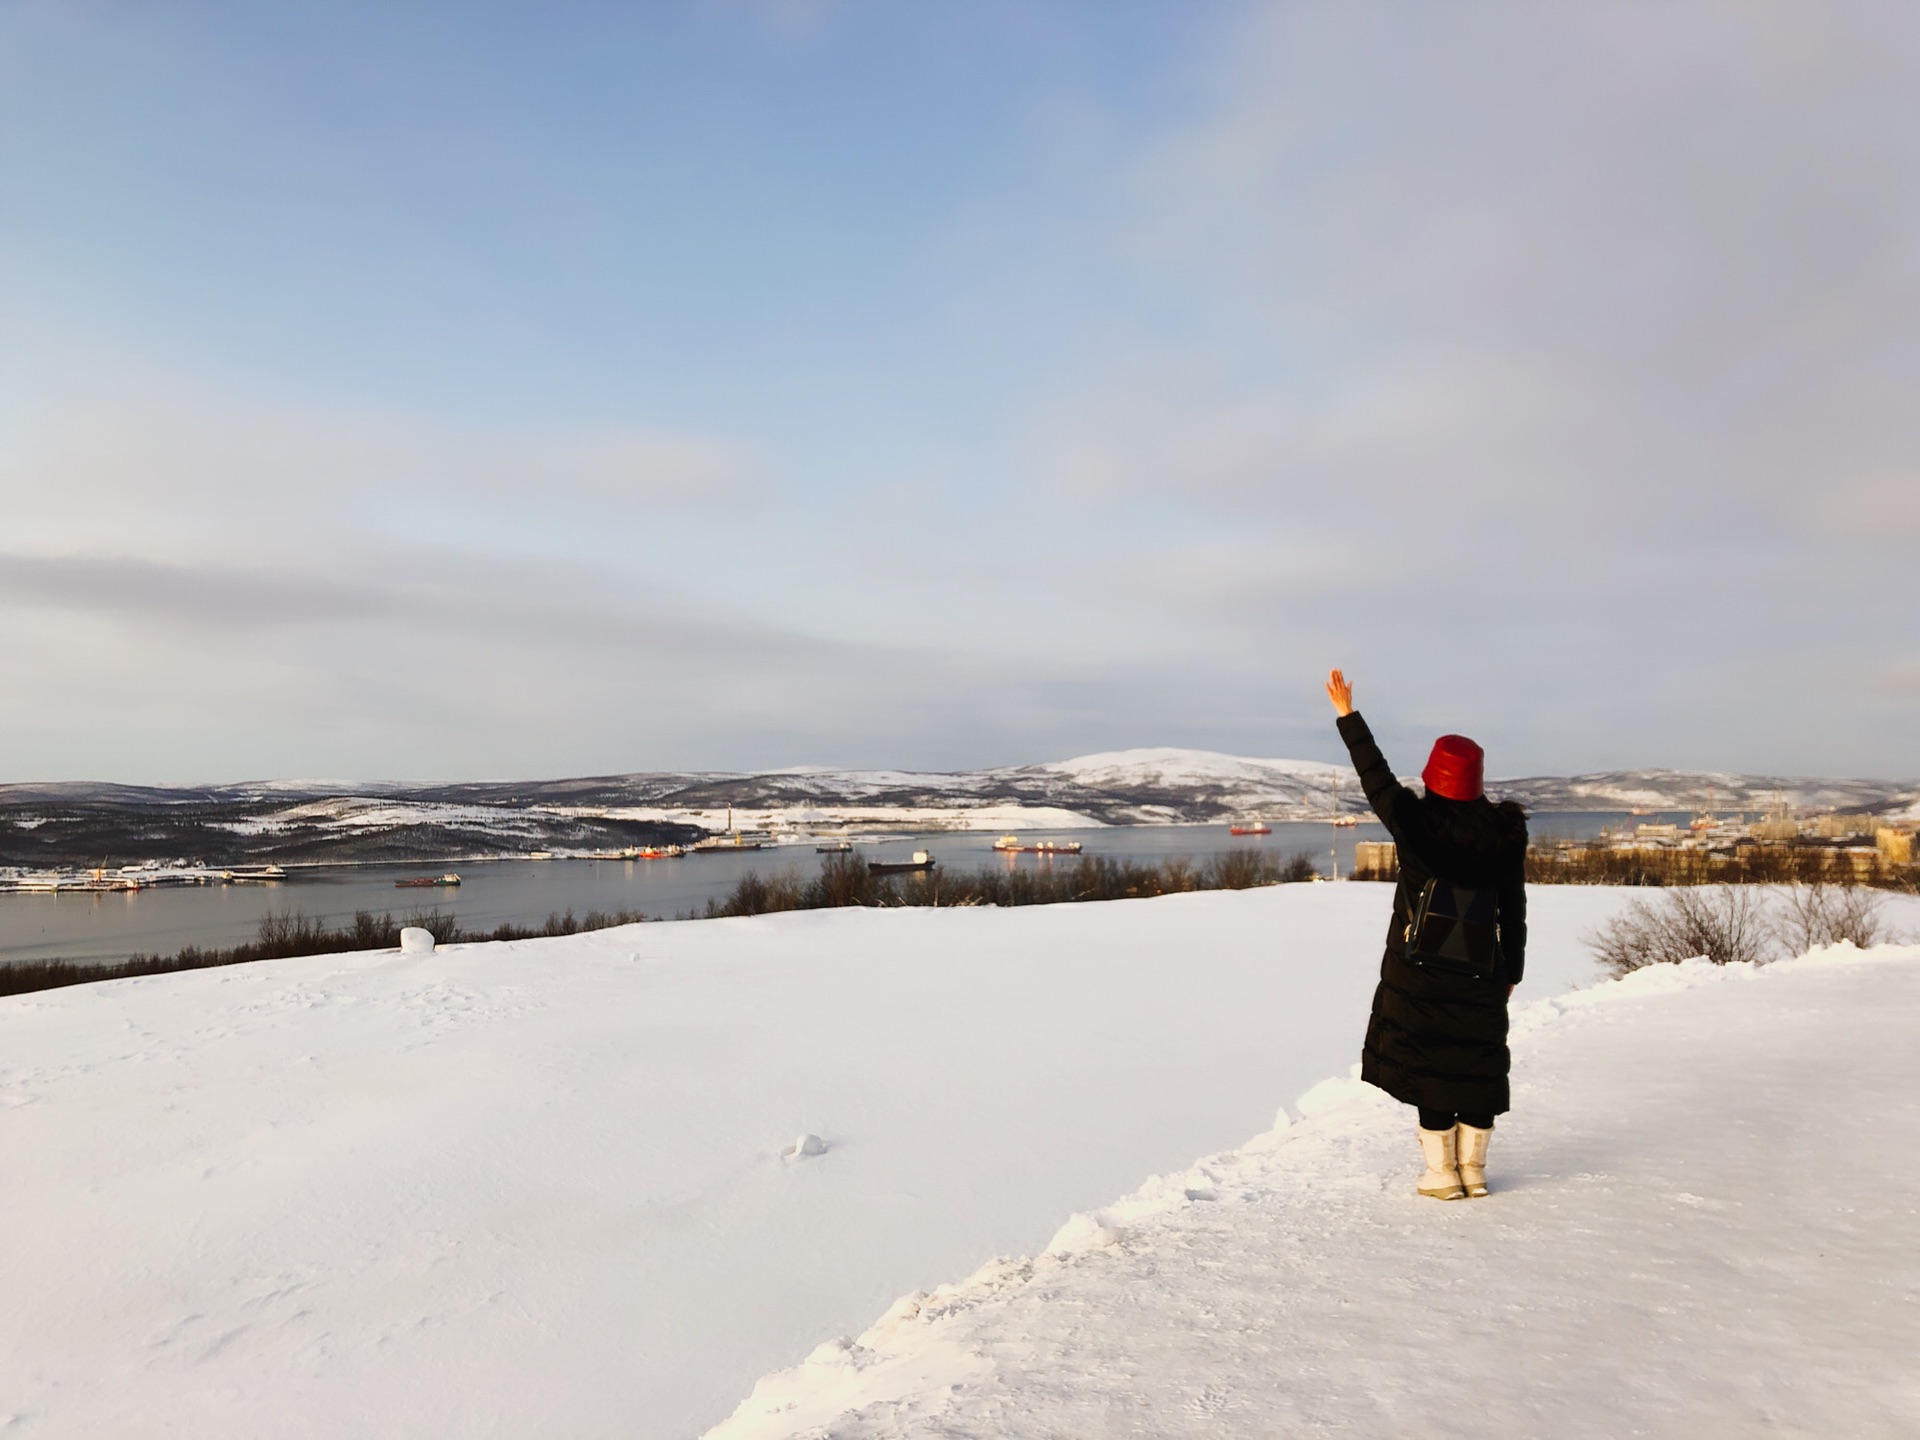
1147 786
538 1189
1697 790
282 821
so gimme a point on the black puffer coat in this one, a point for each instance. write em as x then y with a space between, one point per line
1439 1040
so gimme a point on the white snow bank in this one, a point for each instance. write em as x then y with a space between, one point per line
1702 1224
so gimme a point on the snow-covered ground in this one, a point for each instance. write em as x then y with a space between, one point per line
538 1189
1703 1223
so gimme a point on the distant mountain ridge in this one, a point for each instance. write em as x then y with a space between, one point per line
319 821
1703 790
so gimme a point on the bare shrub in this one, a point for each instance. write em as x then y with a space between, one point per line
757 894
1725 923
1818 915
1799 864
847 880
1245 869
1176 875
843 880
292 933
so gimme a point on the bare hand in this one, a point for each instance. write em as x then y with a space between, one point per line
1340 693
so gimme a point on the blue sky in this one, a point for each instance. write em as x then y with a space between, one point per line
521 390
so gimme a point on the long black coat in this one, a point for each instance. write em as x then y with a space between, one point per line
1439 1040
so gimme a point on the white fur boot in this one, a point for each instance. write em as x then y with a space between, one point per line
1470 1148
1442 1180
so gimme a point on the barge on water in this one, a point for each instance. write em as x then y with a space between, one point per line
427 882
148 876
920 863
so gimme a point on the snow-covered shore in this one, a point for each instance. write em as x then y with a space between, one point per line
537 1189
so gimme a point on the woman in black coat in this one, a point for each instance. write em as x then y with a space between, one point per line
1437 1039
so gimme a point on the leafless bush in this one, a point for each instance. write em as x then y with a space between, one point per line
1725 923
1244 869
1817 915
1600 864
846 880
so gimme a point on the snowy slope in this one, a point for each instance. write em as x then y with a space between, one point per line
535 1189
1703 1224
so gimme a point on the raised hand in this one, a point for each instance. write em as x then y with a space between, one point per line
1340 693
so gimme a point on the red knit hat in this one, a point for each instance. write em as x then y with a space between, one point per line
1455 769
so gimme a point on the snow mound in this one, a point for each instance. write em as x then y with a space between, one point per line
1084 1232
805 1147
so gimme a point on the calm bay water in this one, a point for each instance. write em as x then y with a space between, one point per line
493 892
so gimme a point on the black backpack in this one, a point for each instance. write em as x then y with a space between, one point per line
1453 929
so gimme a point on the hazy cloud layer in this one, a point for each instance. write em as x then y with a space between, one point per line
1549 367
1578 335
149 457
446 679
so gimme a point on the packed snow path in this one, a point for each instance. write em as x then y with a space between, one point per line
1705 1221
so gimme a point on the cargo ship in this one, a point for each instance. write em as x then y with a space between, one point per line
1250 827
733 840
427 882
1010 845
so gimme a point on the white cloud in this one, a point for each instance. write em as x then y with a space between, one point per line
1555 354
162 468
1506 266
